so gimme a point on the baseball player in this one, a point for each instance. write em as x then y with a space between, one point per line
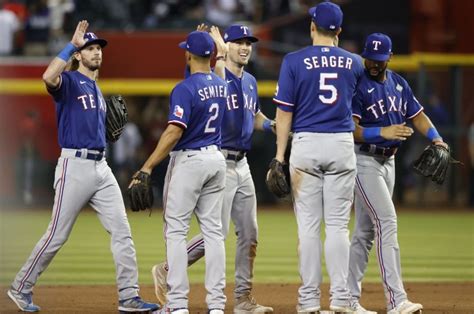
82 174
242 115
313 96
381 106
195 179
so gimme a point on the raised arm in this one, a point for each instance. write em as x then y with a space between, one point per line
57 66
222 49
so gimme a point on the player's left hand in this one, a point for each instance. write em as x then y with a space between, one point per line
78 37
140 191
202 27
441 143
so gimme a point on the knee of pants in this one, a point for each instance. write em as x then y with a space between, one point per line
176 234
364 237
247 234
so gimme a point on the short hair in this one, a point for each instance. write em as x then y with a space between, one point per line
326 32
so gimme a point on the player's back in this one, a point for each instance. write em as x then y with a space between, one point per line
319 82
198 104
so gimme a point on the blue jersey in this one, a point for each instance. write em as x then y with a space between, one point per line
80 112
379 104
242 106
317 84
198 104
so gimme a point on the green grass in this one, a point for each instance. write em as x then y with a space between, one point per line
435 246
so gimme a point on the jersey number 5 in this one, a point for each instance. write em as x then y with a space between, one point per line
214 110
324 86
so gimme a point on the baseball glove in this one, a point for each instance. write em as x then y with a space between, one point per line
141 194
278 178
434 162
116 117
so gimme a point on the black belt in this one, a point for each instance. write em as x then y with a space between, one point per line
92 156
378 150
235 156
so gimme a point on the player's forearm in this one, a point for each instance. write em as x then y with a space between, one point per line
358 133
424 125
52 73
57 66
262 123
167 142
283 127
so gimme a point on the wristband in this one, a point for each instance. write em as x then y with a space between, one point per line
433 134
67 52
371 134
267 125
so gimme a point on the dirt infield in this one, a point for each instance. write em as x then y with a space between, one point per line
436 298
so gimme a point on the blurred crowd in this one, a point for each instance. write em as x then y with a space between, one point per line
41 27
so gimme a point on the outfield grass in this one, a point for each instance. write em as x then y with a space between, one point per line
435 247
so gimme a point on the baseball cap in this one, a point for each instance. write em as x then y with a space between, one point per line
378 47
327 15
91 39
198 43
237 31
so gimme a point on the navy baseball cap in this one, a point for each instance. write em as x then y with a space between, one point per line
378 47
198 43
237 31
327 15
91 39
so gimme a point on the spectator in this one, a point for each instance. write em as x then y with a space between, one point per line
9 26
37 29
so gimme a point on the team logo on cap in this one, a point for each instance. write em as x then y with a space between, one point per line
376 44
226 36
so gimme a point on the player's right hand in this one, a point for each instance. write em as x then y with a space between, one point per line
78 37
397 132
221 46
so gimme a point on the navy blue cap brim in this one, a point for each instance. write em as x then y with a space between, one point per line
182 45
250 38
101 42
375 56
311 11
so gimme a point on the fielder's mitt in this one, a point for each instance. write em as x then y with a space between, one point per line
278 178
141 194
116 118
434 162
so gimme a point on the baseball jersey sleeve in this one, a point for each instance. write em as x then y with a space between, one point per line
180 106
284 94
413 105
62 89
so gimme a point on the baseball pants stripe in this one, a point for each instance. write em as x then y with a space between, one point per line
379 241
53 229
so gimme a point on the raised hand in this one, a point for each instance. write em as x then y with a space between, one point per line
78 37
202 27
398 132
221 46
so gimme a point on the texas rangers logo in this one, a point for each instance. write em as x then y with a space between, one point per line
178 111
376 44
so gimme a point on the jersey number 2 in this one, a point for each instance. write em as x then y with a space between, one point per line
214 109
324 86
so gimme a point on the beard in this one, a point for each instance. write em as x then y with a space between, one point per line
377 72
92 65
